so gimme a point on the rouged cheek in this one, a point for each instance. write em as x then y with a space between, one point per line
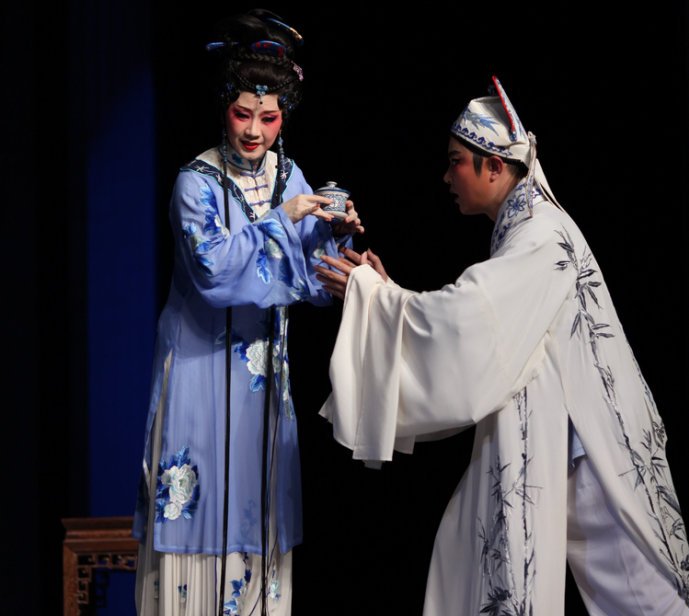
270 131
235 125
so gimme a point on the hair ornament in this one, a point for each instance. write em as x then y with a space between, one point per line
215 45
262 67
270 48
261 91
298 37
286 103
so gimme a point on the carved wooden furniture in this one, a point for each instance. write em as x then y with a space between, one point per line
91 544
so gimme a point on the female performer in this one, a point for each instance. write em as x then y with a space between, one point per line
220 501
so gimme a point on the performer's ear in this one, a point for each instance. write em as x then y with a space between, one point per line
495 166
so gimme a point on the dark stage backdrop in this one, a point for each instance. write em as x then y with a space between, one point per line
104 101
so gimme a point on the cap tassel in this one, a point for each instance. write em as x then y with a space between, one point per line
530 176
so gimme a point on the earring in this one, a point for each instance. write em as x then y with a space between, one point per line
281 158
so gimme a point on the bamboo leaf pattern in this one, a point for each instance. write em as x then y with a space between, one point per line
512 497
647 459
576 324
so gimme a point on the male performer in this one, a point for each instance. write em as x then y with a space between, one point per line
569 453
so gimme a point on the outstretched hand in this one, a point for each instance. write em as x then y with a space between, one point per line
335 282
372 259
300 206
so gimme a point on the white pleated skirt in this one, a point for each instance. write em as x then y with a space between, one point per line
189 585
170 584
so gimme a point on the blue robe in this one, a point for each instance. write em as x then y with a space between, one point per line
263 261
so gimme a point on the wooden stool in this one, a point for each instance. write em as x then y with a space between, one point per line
94 543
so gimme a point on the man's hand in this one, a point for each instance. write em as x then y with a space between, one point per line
374 261
335 282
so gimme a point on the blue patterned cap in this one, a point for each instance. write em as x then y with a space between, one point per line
491 124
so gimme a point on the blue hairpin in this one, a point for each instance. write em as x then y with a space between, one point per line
290 29
268 47
215 45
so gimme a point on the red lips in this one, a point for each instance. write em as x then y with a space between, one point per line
250 146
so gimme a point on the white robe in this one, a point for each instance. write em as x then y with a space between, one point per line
516 345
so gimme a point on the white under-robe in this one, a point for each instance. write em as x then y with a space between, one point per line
516 345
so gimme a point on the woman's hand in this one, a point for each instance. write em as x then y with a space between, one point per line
300 206
350 224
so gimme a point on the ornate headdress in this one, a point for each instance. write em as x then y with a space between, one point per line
491 125
239 51
256 51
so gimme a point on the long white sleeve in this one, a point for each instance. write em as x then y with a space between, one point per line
410 365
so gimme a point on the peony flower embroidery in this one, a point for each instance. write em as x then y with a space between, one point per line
178 490
254 354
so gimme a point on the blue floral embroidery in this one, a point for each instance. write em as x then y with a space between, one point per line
214 232
512 213
271 250
239 587
516 204
272 228
262 268
318 252
208 170
182 590
199 247
207 199
177 491
254 355
298 288
274 586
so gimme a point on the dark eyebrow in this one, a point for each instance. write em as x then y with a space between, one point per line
249 110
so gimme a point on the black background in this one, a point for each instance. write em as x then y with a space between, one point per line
604 90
